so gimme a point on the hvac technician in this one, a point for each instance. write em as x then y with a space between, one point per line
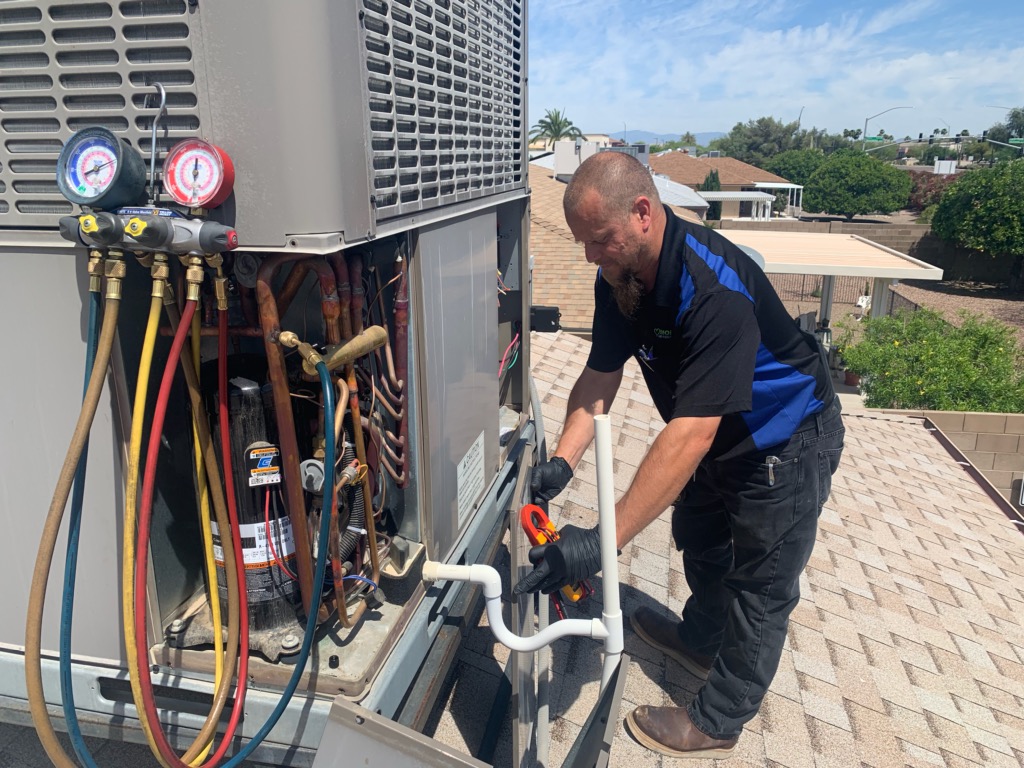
753 435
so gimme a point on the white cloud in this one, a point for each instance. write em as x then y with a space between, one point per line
707 65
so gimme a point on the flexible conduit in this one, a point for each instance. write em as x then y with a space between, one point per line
142 553
67 609
48 541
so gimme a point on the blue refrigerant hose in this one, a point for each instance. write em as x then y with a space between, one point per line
318 578
71 558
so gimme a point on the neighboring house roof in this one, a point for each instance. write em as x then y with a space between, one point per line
907 646
672 193
689 170
561 275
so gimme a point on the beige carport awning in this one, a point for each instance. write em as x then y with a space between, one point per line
831 255
822 253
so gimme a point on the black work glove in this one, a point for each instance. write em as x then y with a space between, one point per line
574 557
548 479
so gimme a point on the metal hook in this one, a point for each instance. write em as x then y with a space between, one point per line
154 193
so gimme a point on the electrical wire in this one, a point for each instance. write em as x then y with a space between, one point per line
357 577
71 557
48 540
270 540
501 366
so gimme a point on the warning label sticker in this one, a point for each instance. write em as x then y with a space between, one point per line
256 549
263 465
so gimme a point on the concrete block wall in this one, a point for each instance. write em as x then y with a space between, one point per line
992 442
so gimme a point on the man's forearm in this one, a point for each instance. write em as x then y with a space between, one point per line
668 465
592 395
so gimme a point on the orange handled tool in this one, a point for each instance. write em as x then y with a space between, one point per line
540 530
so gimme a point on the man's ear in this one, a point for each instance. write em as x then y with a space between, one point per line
642 207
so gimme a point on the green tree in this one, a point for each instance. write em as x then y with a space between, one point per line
984 210
712 183
918 360
757 140
795 165
555 126
851 133
848 184
688 139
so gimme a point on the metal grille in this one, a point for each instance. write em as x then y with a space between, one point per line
66 66
444 85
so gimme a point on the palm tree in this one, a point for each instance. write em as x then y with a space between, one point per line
688 138
555 126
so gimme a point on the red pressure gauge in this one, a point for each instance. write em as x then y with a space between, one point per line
198 174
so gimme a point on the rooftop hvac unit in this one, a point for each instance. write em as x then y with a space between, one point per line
341 115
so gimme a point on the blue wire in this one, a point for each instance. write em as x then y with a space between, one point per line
318 578
357 577
71 558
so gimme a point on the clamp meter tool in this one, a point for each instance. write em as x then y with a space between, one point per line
540 530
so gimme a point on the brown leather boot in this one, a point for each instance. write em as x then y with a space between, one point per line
663 633
670 731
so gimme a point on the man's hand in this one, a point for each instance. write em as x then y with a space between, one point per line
574 557
548 479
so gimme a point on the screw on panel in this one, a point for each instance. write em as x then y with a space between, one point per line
177 625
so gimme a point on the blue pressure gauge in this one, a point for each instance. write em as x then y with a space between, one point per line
99 170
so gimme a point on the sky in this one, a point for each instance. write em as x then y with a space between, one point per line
671 66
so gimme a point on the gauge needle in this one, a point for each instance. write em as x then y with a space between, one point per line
195 170
98 167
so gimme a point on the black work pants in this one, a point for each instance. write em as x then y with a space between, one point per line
746 527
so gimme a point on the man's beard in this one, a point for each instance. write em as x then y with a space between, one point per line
628 290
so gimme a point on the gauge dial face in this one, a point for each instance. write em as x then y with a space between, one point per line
193 173
92 167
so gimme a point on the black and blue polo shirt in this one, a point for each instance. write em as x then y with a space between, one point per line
714 339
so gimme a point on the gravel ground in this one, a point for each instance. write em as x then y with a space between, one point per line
986 299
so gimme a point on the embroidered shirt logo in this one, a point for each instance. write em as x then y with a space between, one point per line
663 333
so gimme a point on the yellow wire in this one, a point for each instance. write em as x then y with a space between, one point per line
130 500
204 513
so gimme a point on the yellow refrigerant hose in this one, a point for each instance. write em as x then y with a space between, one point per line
204 513
131 502
51 527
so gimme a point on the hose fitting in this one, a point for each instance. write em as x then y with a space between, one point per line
220 290
160 271
310 355
96 271
116 269
193 276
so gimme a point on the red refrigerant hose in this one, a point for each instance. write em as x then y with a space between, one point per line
144 524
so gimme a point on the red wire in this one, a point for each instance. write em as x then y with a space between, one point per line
142 557
270 540
501 366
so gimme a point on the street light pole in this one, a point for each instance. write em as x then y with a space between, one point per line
864 136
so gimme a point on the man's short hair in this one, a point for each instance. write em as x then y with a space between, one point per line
617 177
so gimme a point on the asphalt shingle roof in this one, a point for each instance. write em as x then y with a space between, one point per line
689 170
907 648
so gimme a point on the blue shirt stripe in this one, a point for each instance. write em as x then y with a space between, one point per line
782 397
726 275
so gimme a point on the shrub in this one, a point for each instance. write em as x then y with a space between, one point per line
916 359
848 184
927 189
926 216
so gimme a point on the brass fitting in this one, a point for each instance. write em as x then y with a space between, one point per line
194 277
215 260
160 272
168 294
370 339
309 355
145 259
95 270
220 290
116 269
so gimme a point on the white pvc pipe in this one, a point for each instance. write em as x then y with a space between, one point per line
489 579
612 613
